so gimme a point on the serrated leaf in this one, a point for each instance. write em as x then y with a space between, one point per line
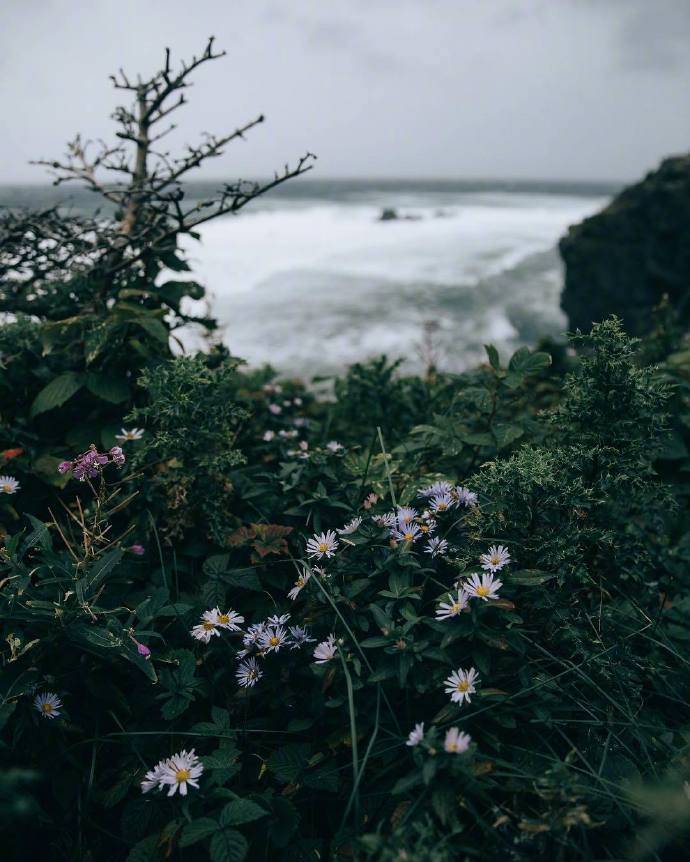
288 762
57 392
529 577
145 850
228 845
241 811
112 389
284 821
198 830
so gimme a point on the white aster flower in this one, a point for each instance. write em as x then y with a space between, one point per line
370 500
300 584
427 524
435 490
275 409
205 630
180 770
230 620
351 527
297 402
416 735
300 637
48 704
9 485
288 435
248 673
268 436
252 635
272 388
454 606
300 422
132 434
406 515
326 650
465 497
496 557
456 742
436 547
407 533
323 544
153 778
460 684
386 520
441 503
334 446
485 589
278 620
272 639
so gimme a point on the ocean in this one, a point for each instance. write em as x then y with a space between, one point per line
310 280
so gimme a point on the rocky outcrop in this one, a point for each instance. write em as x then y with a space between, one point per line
624 259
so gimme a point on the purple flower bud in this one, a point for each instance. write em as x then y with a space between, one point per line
142 649
137 549
64 466
117 455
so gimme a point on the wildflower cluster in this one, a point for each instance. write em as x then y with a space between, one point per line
91 463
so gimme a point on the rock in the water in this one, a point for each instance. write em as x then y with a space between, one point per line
388 214
624 259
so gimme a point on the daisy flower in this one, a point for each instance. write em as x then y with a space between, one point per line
441 503
465 497
334 446
351 527
229 620
407 533
496 557
153 778
276 620
323 544
436 547
460 684
427 524
386 520
453 607
370 500
325 651
435 490
180 770
205 630
275 409
272 639
9 485
132 434
287 435
456 742
48 704
268 436
405 515
416 735
300 584
300 637
248 673
485 589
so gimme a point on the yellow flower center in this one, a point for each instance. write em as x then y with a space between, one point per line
182 775
483 591
452 746
409 537
463 685
300 583
495 560
207 626
274 641
323 547
47 707
6 487
455 608
442 507
424 528
224 619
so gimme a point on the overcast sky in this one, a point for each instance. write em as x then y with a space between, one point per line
577 89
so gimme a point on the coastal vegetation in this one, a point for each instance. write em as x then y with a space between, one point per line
424 618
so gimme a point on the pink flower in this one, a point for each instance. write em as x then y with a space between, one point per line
142 649
137 549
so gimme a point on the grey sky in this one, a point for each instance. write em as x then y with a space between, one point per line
590 89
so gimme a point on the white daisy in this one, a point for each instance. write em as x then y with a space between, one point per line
48 704
180 770
153 778
416 735
370 500
407 533
485 589
9 485
496 557
204 631
465 497
427 525
460 684
132 434
351 527
453 607
323 544
456 742
288 435
436 547
252 635
386 520
248 673
277 620
441 503
334 446
297 402
300 584
325 651
405 515
435 490
272 639
300 637
275 409
268 436
230 620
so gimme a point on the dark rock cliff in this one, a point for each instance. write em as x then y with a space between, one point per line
624 259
